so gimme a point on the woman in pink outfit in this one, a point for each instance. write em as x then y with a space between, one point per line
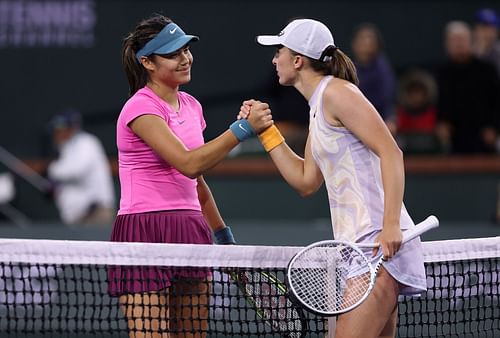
164 198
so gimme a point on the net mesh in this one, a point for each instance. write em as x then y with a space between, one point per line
102 289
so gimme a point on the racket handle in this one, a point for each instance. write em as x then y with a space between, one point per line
429 223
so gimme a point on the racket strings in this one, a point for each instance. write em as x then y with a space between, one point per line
271 302
331 278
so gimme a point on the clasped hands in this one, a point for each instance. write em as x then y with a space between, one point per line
260 118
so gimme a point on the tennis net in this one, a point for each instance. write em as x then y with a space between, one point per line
53 288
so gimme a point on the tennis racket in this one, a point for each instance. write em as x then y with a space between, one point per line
268 296
332 277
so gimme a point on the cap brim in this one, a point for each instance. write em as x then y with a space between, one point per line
176 44
269 40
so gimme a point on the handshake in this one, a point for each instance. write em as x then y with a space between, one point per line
255 118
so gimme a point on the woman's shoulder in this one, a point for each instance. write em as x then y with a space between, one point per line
338 86
143 94
189 99
340 92
142 102
142 98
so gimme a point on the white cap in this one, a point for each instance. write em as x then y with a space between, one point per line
304 36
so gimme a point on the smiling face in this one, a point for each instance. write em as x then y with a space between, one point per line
284 61
172 69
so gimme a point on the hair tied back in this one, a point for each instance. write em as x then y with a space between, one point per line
328 53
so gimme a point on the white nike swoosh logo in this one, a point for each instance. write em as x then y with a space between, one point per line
172 31
241 127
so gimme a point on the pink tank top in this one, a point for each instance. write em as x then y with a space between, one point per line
147 182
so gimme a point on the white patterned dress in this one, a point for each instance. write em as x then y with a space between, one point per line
354 184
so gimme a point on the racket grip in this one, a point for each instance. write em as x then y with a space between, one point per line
430 222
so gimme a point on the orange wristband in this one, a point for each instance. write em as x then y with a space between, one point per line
271 138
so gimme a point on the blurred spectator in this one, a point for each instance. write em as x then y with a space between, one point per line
485 36
7 194
7 188
469 100
416 112
84 191
376 76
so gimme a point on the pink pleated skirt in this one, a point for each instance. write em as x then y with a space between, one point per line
176 226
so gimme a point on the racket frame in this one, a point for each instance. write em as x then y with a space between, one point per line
372 270
429 223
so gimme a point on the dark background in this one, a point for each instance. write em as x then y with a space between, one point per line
38 81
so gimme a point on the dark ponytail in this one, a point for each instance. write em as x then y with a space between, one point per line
146 30
335 62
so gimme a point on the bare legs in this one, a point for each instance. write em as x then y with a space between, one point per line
147 314
376 316
179 312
